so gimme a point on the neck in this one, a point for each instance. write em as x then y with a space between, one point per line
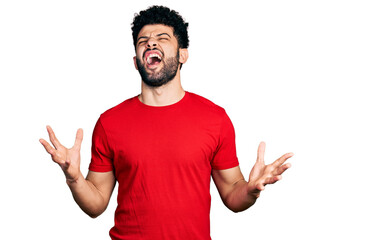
168 94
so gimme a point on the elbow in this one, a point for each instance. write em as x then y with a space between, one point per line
236 208
93 215
232 208
240 209
94 210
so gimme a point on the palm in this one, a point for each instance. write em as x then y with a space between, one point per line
262 174
68 159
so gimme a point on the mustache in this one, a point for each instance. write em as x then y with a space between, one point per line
152 49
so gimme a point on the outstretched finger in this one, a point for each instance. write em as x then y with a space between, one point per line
282 159
78 139
53 138
261 152
272 180
47 146
280 170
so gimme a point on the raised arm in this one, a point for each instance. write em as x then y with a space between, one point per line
93 193
238 194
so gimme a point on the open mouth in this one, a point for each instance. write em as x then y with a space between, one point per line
153 58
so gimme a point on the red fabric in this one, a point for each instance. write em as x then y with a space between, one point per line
162 158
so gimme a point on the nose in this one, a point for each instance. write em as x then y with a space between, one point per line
151 43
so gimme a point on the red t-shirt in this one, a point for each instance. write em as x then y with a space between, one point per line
162 158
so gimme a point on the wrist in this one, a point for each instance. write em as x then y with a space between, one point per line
72 181
252 193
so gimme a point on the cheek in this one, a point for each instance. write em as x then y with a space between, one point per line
139 53
171 51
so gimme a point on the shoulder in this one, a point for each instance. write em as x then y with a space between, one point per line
119 110
206 105
210 114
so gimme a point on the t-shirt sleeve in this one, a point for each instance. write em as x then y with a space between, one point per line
102 158
225 156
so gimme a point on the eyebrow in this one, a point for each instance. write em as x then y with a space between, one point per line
163 34
158 35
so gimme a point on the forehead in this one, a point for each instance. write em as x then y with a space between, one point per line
154 29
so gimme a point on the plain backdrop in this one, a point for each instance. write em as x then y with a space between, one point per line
290 73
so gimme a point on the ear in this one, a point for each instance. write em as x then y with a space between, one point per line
184 55
136 66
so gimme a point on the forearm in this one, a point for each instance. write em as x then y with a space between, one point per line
87 196
239 199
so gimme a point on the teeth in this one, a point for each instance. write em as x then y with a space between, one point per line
154 55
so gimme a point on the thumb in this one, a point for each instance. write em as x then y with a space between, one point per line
78 139
261 152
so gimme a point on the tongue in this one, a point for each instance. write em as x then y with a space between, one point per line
154 61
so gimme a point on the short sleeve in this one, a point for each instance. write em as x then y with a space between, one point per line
102 158
225 156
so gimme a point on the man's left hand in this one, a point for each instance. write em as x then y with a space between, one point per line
262 174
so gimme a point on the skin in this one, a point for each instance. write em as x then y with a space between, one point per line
150 37
93 193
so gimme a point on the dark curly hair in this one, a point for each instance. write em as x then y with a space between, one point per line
165 16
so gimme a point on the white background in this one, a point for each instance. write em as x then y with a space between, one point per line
290 73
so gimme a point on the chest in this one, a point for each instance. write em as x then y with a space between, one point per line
160 144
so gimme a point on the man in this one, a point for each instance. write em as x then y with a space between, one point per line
162 146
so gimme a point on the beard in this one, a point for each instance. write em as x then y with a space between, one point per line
165 75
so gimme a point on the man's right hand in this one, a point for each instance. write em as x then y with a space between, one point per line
68 159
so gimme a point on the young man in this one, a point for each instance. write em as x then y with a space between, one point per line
162 146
